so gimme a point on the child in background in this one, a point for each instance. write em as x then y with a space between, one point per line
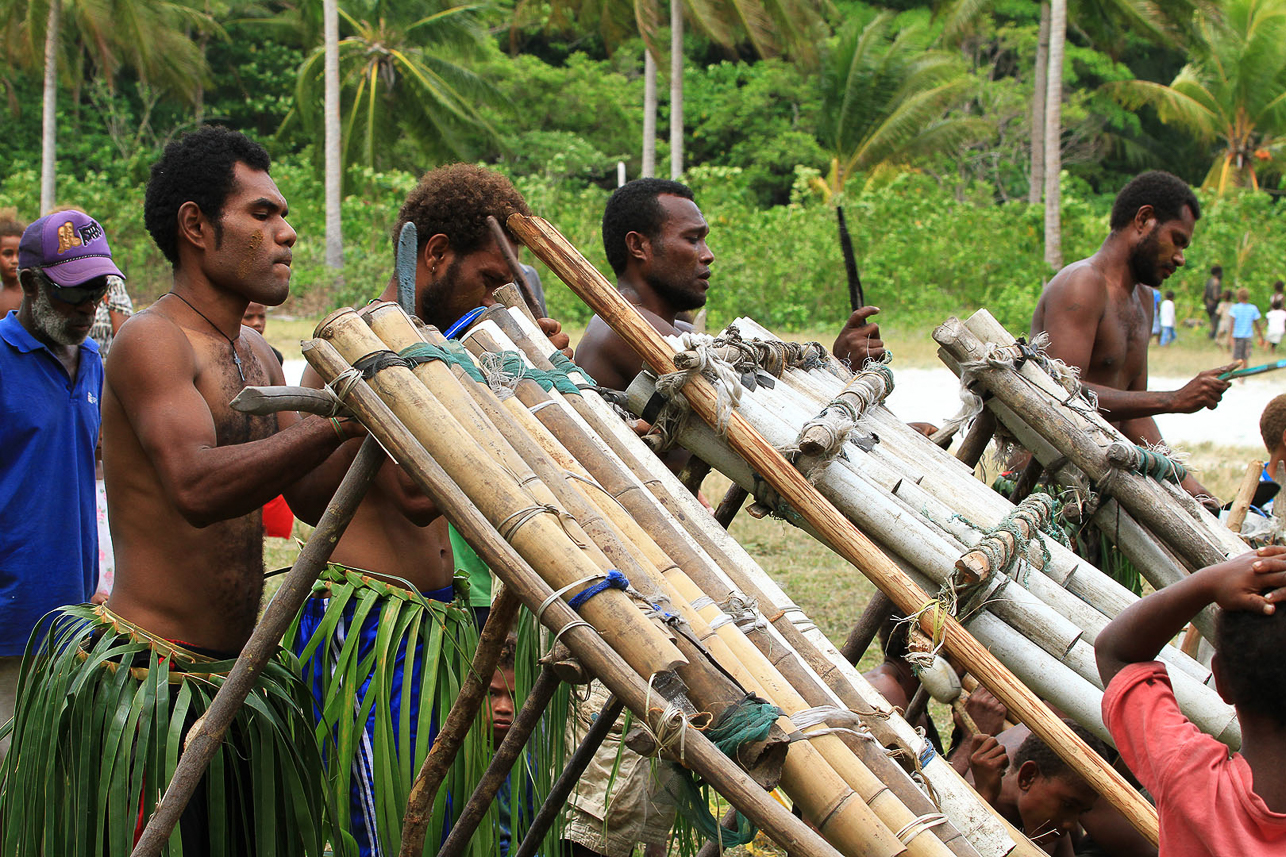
1276 322
1211 803
1038 792
1245 322
1225 317
500 713
1167 319
278 519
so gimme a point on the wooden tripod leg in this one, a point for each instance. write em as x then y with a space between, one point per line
877 612
502 763
463 711
204 739
730 505
562 788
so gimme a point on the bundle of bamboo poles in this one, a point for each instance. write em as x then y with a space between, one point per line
712 404
1039 615
1155 523
554 511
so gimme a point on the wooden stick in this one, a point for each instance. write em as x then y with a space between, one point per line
1245 494
877 612
424 791
976 441
594 289
533 708
515 267
730 505
204 739
562 787
699 753
1027 481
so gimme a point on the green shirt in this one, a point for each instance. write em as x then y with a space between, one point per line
473 566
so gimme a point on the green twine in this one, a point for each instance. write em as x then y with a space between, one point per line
1160 467
566 366
512 363
749 720
453 354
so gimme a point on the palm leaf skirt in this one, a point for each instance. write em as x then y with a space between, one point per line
103 708
385 664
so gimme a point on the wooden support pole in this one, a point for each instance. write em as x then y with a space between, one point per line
562 787
975 442
424 791
1245 494
877 612
855 547
203 740
533 708
730 505
699 752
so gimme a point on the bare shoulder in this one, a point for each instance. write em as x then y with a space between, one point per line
1077 293
149 345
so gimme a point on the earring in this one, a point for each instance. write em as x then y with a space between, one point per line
433 271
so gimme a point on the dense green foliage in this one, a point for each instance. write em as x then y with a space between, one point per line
923 253
938 229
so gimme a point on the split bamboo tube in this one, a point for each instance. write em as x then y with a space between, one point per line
556 252
809 775
986 831
539 536
697 751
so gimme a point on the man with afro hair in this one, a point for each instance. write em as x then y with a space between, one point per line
1098 311
398 534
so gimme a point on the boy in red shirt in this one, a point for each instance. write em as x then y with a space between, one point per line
1210 801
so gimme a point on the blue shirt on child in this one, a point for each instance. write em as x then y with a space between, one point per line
1244 317
48 522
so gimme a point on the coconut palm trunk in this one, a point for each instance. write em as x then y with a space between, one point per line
1053 133
649 114
49 131
676 89
334 164
1037 184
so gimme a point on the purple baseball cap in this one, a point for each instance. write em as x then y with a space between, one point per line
69 246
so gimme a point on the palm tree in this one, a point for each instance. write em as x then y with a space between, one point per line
149 36
1231 95
396 79
885 101
1053 165
332 137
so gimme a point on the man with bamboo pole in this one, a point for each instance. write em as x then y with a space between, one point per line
407 553
1098 311
120 685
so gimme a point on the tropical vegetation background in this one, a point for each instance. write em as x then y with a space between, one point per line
975 144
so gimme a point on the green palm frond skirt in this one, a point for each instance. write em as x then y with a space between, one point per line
385 663
102 713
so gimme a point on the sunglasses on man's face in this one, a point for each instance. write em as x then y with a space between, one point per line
92 291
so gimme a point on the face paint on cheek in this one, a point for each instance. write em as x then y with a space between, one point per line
248 259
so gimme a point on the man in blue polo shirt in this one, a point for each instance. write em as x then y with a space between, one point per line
51 378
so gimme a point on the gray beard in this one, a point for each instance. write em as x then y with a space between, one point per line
49 323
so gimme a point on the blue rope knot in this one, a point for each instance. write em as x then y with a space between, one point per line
613 580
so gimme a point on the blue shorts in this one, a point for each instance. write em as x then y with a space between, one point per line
361 794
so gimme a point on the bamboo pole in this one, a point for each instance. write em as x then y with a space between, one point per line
1245 494
204 738
877 612
591 287
698 752
969 814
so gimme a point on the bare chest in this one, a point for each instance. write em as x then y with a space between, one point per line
1120 344
218 381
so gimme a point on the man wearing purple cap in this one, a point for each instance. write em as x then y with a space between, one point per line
51 379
